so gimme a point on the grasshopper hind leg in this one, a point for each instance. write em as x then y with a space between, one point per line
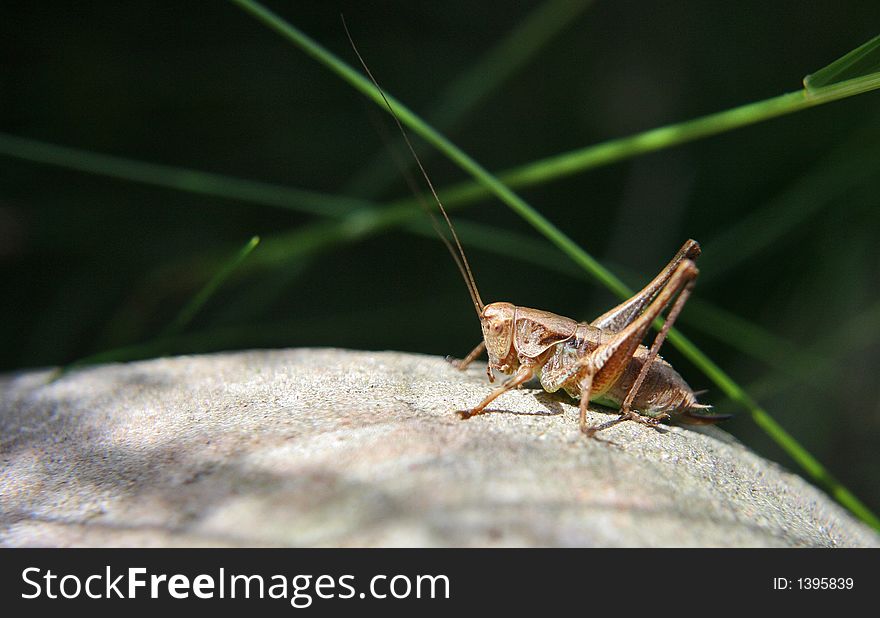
606 364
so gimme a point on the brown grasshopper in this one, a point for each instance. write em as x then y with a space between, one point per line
602 361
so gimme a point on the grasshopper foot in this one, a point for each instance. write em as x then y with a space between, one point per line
591 430
455 363
650 421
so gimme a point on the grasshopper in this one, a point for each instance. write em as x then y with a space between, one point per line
602 361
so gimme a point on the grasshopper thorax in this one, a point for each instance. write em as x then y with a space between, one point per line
496 320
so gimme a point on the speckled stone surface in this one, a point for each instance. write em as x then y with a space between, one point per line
338 448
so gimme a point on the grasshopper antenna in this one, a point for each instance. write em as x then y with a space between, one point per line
381 128
460 259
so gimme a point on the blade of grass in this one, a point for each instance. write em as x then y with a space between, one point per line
198 301
863 60
676 134
715 123
182 179
620 149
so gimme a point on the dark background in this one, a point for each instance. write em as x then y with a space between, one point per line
786 210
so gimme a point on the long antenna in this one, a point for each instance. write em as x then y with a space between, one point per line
463 265
381 128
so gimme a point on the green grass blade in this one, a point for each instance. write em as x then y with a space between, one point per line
186 315
668 136
177 178
859 63
715 123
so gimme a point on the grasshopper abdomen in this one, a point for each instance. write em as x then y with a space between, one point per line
663 390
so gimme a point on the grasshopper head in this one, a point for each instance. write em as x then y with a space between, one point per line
496 321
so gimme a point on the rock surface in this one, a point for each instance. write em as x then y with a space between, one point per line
338 448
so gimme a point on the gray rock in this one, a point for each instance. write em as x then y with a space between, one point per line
331 447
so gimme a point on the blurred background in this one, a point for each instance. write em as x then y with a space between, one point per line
106 234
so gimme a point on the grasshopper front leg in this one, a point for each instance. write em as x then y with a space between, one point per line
471 357
522 375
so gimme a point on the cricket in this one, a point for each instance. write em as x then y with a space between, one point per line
603 361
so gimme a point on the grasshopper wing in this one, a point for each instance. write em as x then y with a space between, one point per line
535 331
